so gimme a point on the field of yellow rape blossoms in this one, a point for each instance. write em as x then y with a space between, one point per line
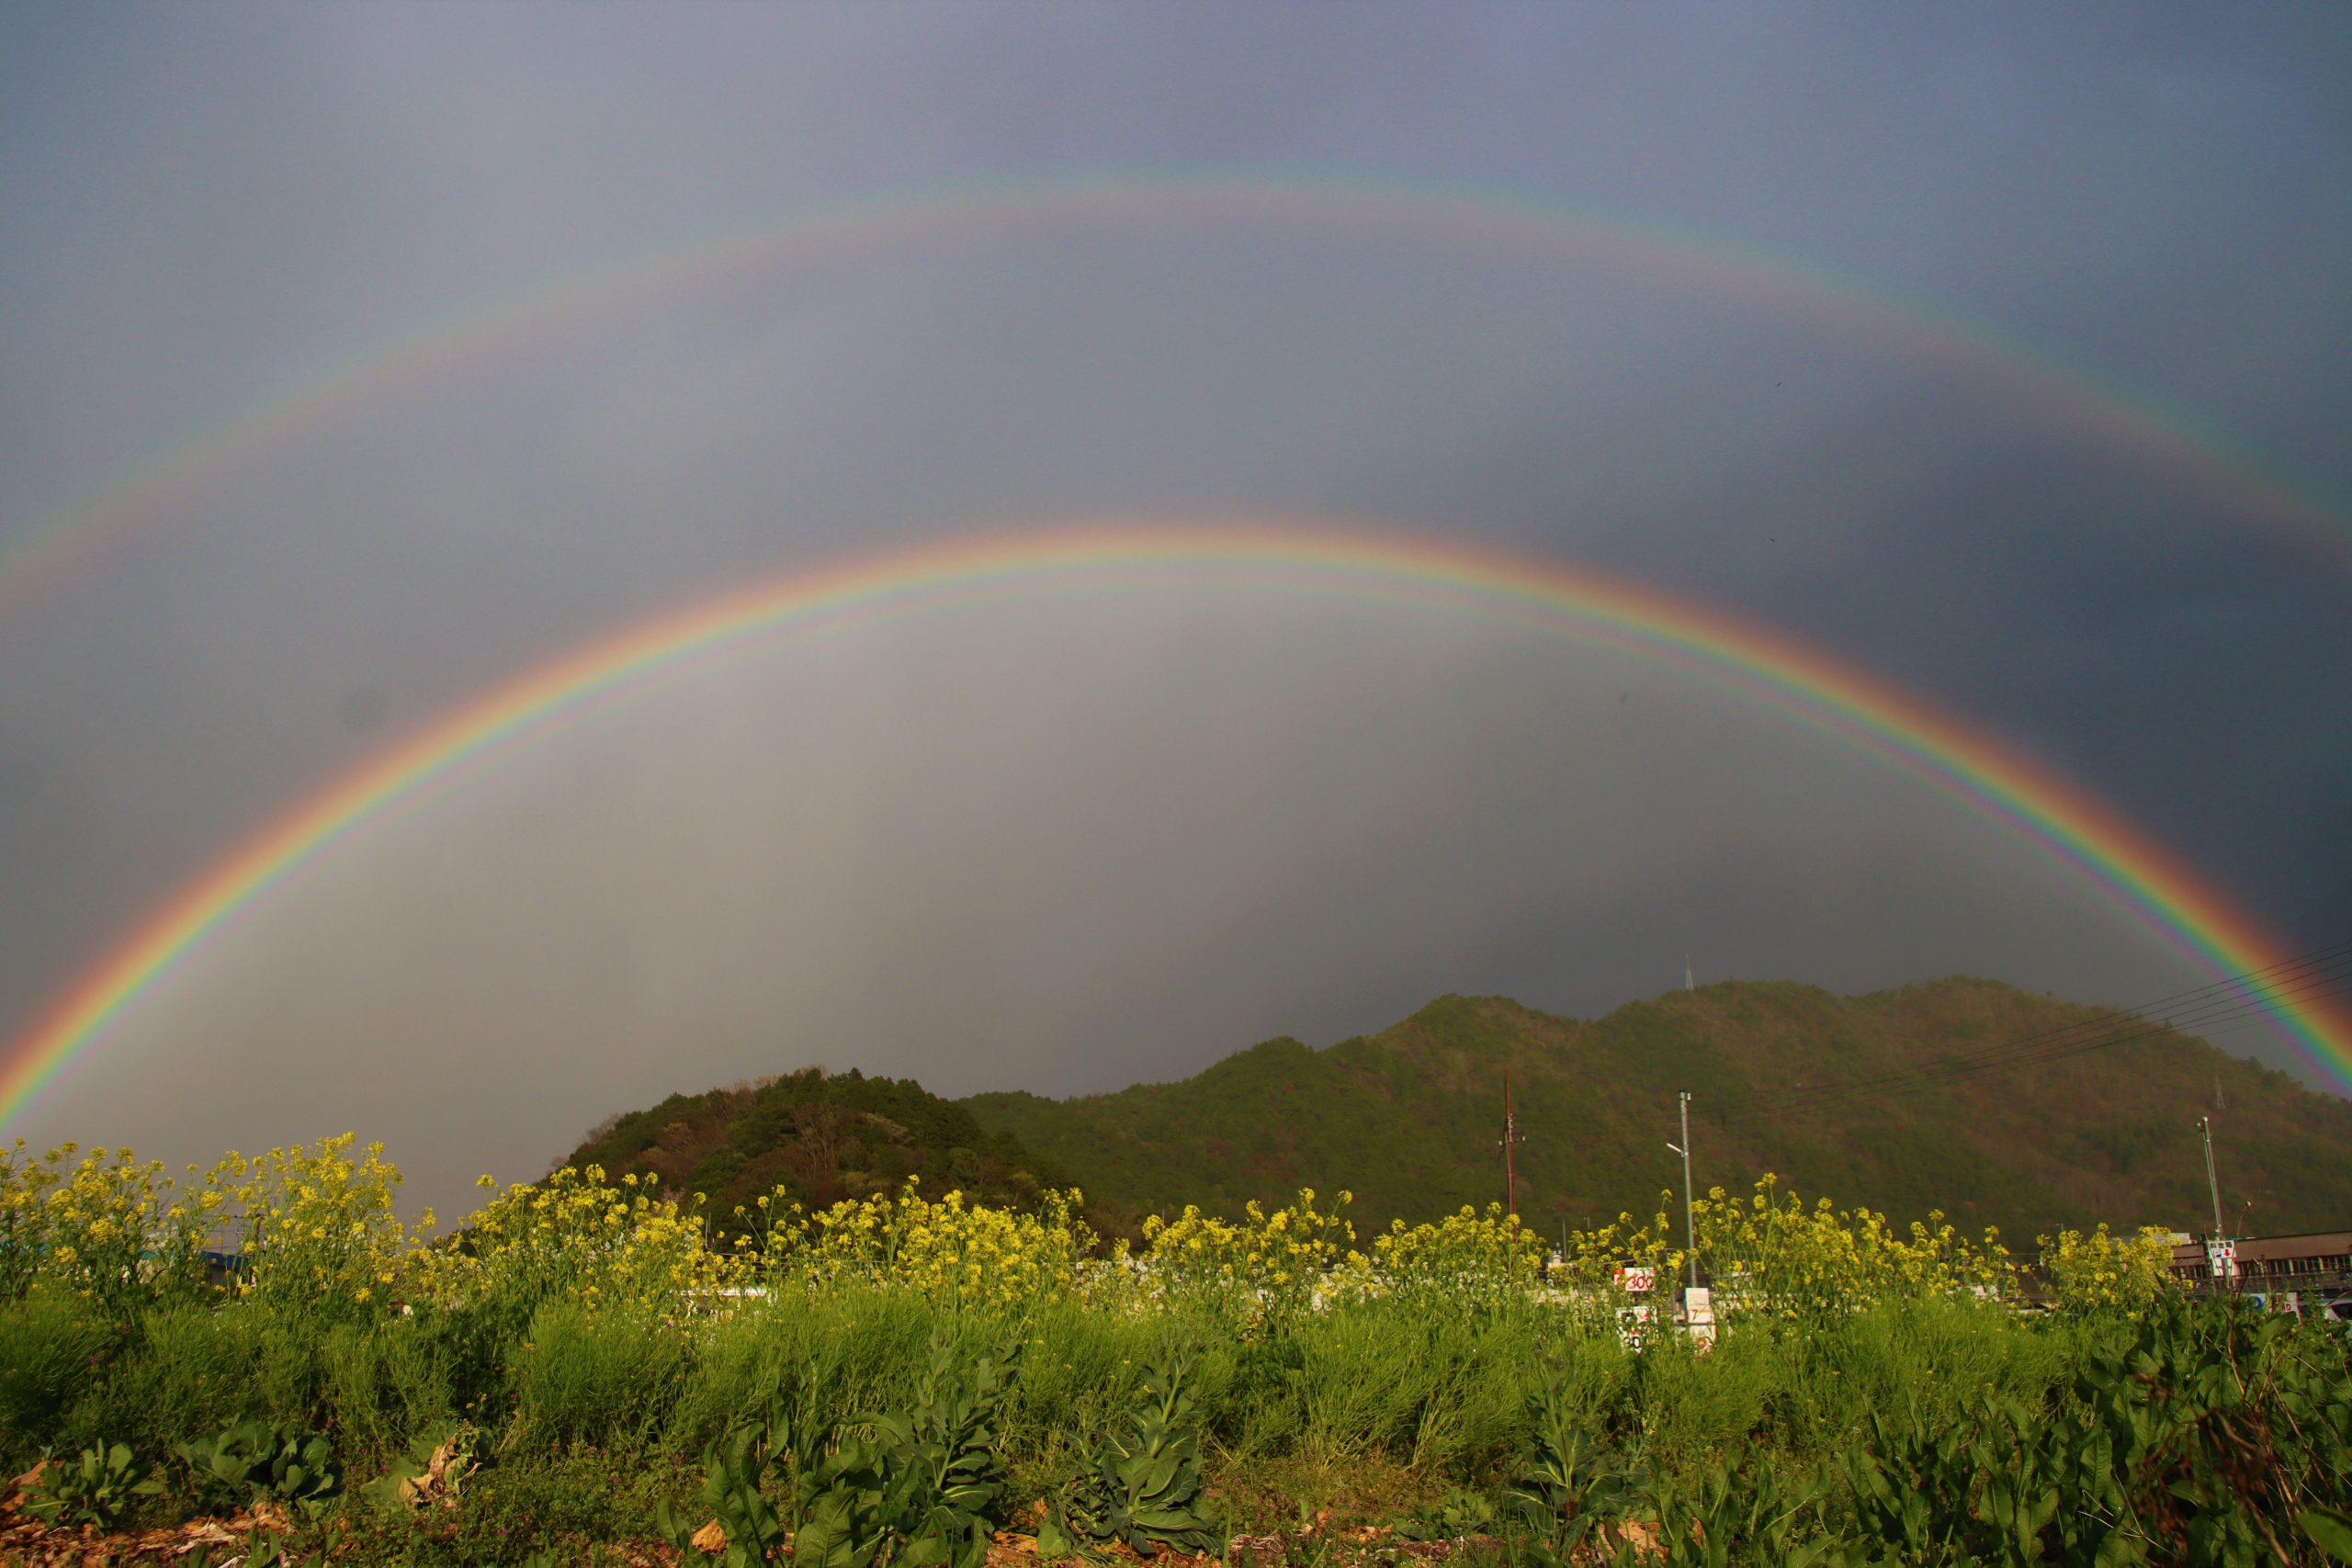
264 1360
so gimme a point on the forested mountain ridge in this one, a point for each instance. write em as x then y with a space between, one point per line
1409 1119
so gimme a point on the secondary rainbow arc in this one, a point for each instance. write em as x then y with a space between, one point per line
52 548
1759 663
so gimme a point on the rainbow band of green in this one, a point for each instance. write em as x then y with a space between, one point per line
48 550
1739 656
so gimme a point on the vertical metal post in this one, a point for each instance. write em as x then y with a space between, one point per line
1689 1231
2212 1181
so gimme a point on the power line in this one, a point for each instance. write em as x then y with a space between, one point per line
1949 1079
2109 1030
1840 1096
2322 972
2314 972
1944 1074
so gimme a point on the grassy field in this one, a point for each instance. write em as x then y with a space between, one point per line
583 1373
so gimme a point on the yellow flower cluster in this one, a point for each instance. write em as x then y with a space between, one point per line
316 1225
1594 1257
318 1230
949 1250
100 1223
2104 1271
1269 1263
578 1235
1773 1254
309 1224
1466 1256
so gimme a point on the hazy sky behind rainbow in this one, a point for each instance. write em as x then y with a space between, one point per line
1066 846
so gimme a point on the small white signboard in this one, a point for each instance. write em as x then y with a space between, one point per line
1699 1312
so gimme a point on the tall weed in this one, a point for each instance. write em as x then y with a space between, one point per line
189 1370
1403 1378
50 1348
860 1349
386 1384
602 1377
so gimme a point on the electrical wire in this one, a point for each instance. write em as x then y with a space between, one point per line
2217 1007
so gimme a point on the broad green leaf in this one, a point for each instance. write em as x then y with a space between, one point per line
2328 1530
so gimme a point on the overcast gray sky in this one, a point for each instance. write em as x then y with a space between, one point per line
1063 845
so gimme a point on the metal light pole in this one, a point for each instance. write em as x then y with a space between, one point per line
1689 1231
2212 1181
2214 1249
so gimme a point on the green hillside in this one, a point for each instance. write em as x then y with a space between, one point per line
1408 1119
822 1137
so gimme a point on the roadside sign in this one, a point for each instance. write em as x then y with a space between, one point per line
1699 1312
1637 1282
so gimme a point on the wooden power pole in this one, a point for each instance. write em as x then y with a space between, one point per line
1511 1140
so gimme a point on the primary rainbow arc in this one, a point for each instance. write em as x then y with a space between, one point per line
1763 665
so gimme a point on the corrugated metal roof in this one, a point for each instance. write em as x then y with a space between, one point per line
2310 1244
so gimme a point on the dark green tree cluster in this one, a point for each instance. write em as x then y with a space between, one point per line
821 1137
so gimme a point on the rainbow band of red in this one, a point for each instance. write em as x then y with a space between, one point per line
2030 374
1748 659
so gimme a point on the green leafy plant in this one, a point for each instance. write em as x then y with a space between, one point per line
859 1516
432 1473
264 1550
2329 1529
1570 1482
745 1528
1764 1517
907 1489
1911 1484
2204 1433
255 1460
1459 1514
1141 1483
913 1489
94 1488
940 1466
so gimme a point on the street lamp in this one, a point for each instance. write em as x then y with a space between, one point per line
1689 1231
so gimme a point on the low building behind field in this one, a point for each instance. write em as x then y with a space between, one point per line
2317 1264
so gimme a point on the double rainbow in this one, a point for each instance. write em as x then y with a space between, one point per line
1754 662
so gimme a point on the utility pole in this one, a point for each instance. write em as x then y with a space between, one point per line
1511 1140
2212 1181
1689 1231
2213 1250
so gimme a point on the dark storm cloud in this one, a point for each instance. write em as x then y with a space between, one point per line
205 206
